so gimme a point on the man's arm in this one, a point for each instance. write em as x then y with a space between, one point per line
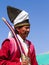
33 57
5 55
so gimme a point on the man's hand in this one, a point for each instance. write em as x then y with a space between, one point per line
25 62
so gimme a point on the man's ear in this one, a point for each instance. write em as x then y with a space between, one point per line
17 29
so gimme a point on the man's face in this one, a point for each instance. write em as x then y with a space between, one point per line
24 31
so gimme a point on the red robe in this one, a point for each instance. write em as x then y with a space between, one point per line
8 55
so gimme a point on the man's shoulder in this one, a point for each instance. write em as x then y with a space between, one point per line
28 40
30 43
7 40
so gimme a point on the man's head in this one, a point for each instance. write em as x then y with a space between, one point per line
19 18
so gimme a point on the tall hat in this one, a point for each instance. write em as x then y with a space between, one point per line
18 17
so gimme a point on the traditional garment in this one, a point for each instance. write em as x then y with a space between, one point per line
10 53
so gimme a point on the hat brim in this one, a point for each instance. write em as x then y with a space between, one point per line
22 24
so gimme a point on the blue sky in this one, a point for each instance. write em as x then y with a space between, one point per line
39 19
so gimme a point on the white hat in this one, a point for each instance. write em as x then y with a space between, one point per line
18 17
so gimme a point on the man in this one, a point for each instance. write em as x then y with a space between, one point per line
10 53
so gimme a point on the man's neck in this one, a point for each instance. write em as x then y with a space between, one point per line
22 37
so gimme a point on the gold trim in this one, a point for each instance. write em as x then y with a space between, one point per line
22 24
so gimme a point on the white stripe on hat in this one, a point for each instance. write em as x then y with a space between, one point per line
21 17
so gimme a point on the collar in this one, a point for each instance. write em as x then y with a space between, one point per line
24 45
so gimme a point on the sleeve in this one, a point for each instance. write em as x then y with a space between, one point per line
33 56
5 58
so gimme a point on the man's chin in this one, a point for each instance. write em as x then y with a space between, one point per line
26 36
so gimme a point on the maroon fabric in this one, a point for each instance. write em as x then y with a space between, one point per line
8 58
